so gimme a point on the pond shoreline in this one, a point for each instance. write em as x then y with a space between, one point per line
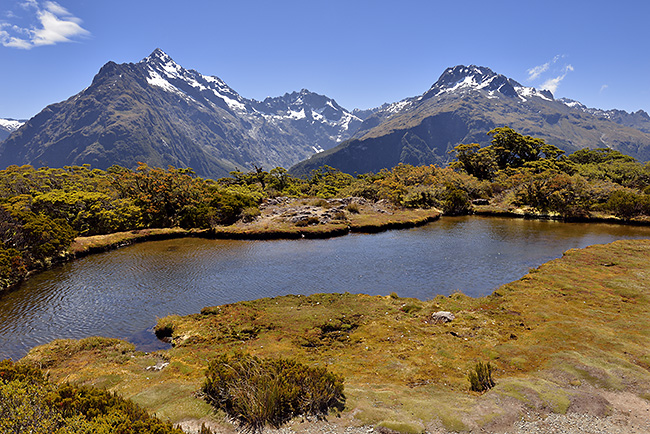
84 246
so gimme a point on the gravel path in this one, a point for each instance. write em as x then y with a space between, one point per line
629 414
580 423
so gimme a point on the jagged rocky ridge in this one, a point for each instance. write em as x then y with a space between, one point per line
158 112
465 103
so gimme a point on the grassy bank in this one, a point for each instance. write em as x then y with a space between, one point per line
563 338
528 213
366 219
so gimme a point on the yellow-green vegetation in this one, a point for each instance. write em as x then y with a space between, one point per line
258 392
555 338
29 403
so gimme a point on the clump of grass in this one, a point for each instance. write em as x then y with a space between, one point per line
322 203
164 328
403 427
258 392
353 208
480 378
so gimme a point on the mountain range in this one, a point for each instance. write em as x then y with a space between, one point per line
157 112
160 113
462 106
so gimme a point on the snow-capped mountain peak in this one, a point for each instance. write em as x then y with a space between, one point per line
461 79
313 108
10 125
163 72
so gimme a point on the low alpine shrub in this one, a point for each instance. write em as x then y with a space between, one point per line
480 378
258 392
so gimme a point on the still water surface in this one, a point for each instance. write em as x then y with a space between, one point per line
122 292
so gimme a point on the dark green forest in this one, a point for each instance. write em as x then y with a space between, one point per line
43 210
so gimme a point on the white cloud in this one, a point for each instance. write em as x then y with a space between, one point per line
603 87
13 42
56 8
536 71
553 83
55 25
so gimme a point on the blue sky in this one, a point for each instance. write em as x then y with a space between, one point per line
361 53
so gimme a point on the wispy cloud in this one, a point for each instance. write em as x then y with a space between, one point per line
603 88
551 73
553 83
53 24
536 71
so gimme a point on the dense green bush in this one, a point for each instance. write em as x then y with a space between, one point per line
455 201
258 392
627 204
30 404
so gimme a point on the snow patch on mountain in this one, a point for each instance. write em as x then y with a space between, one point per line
529 92
170 76
10 125
155 79
461 79
580 106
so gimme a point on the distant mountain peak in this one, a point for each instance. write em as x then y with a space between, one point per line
161 113
8 126
11 124
157 55
461 79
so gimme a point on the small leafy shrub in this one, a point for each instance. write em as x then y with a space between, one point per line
249 214
456 201
480 378
627 204
258 392
29 403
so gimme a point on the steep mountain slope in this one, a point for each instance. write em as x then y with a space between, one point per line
8 126
465 103
158 112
